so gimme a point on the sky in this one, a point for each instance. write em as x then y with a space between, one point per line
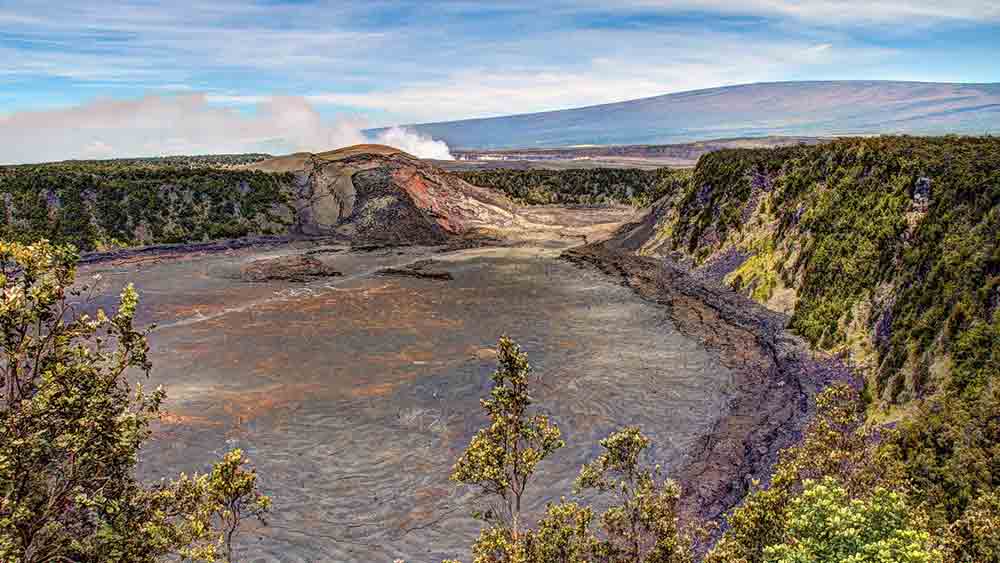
265 67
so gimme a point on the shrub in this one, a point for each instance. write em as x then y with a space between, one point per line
72 423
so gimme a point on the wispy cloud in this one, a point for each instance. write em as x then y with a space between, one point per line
188 124
710 61
915 12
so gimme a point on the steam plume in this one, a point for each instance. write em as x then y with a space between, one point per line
188 124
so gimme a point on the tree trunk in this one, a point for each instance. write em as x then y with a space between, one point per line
229 543
517 514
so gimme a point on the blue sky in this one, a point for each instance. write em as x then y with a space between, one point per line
403 61
129 77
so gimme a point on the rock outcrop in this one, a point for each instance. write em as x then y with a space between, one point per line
296 268
378 193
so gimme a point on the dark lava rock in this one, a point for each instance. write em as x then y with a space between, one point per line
297 268
717 268
417 270
775 375
922 190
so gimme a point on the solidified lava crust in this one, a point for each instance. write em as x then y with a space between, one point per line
777 375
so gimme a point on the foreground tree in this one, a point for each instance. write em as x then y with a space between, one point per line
232 489
834 444
643 525
564 535
72 423
501 458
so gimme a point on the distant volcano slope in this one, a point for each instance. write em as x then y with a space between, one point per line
752 110
375 192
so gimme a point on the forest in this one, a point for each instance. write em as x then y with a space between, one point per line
99 205
889 249
590 186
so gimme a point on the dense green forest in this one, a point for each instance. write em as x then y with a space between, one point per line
890 245
105 204
630 186
886 251
180 161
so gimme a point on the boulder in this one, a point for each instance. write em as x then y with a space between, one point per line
297 268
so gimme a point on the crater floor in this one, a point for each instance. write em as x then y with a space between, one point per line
354 395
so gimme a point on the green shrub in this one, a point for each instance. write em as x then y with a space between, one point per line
826 525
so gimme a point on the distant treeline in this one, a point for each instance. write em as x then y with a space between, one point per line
103 204
629 186
186 161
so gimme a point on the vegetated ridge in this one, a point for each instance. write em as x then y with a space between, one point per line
882 251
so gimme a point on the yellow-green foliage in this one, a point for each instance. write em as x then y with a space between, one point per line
826 525
760 271
832 446
926 491
71 426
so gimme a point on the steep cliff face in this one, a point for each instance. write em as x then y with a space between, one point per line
374 192
885 250
366 192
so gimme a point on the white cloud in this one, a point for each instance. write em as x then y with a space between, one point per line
171 42
432 61
187 124
711 61
841 11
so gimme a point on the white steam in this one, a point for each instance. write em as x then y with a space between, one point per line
414 143
189 124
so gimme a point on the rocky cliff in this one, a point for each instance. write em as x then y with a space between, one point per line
883 250
885 254
374 192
